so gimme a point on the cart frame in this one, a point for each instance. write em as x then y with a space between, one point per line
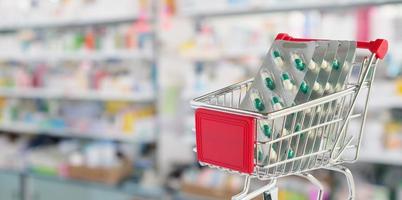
321 144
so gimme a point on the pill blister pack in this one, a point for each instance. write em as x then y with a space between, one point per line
293 73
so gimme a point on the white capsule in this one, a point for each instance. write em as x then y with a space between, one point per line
338 87
265 75
312 65
277 106
295 56
285 132
329 88
317 87
278 62
254 95
288 84
273 155
325 65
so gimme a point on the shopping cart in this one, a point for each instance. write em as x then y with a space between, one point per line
227 135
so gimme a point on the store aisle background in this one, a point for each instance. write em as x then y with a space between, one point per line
103 87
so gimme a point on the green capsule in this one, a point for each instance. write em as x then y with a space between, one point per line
270 83
267 130
277 54
259 157
291 154
304 87
297 127
336 65
275 100
259 105
285 76
299 64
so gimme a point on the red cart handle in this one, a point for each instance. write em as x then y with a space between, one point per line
379 47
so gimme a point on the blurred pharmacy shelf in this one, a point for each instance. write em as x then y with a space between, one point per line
384 95
76 95
279 6
27 129
203 55
44 56
386 157
59 23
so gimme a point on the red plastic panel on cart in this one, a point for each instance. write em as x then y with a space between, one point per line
225 140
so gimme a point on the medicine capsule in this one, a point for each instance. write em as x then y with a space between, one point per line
329 88
257 101
313 66
325 65
269 81
300 65
346 66
260 155
273 155
317 87
287 82
285 132
304 87
266 129
336 65
291 153
297 127
338 87
278 58
277 104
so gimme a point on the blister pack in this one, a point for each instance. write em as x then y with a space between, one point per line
341 66
276 86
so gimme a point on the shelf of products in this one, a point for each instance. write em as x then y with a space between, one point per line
251 7
52 14
27 129
113 120
97 56
34 93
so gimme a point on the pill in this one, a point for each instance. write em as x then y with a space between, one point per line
260 155
335 65
273 155
329 88
325 65
269 81
304 87
313 66
317 87
266 129
338 87
291 153
300 65
285 132
287 82
277 104
346 66
278 59
257 101
298 128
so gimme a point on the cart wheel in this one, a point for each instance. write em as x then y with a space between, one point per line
267 196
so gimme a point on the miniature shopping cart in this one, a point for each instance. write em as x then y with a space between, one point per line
227 135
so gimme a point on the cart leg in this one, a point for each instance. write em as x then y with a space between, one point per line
272 194
245 190
314 181
349 177
246 195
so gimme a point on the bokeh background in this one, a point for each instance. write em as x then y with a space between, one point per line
94 94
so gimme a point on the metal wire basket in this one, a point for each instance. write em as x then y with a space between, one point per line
227 136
